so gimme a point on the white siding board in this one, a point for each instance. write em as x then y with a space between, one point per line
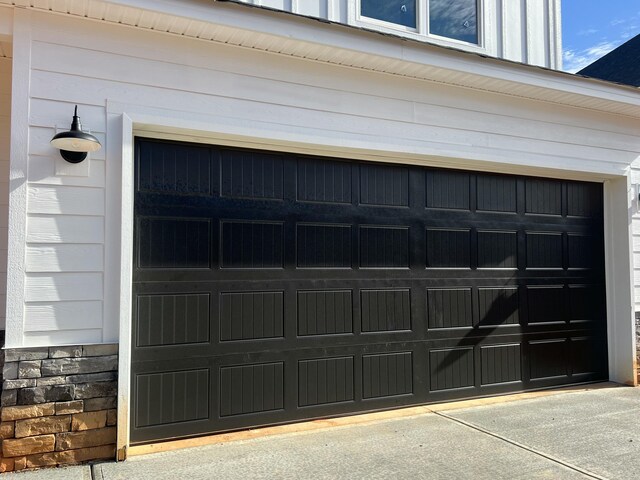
56 287
63 337
65 229
42 112
537 37
514 28
316 8
63 316
42 172
277 4
64 258
330 124
65 200
200 53
337 93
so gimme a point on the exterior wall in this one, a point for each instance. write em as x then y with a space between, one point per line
527 31
5 138
72 233
71 239
635 180
58 406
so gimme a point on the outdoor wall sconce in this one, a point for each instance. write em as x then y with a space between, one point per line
75 144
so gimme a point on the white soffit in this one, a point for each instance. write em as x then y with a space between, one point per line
261 29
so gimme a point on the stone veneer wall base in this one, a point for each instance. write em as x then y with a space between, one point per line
58 406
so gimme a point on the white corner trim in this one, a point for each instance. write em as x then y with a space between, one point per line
20 88
621 337
126 278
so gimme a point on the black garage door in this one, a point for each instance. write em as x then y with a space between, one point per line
273 287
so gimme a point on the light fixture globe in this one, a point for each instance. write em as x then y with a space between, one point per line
75 144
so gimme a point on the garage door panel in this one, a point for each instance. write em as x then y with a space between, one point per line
253 388
543 196
182 243
384 185
585 356
548 358
586 303
385 310
330 286
544 250
246 174
447 189
251 315
324 245
384 247
172 319
251 244
451 368
172 397
584 200
448 248
324 181
581 250
497 249
449 308
387 374
327 312
326 380
501 364
499 306
546 304
171 168
496 193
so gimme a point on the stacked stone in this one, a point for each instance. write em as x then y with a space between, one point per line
58 406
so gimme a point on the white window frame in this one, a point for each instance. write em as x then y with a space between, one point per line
485 21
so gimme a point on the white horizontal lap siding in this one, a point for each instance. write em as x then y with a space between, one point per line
5 140
64 254
404 121
635 180
270 98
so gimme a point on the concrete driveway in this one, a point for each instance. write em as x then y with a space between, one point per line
583 434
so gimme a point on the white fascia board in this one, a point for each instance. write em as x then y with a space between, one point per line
473 67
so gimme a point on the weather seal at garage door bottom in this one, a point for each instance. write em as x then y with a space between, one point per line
357 419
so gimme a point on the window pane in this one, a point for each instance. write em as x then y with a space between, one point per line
401 12
456 19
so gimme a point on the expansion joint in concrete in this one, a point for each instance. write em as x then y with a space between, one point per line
523 447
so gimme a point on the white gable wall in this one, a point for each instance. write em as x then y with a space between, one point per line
527 31
223 93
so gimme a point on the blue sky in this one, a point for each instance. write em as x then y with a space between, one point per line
592 28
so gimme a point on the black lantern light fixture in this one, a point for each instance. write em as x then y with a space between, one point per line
75 144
